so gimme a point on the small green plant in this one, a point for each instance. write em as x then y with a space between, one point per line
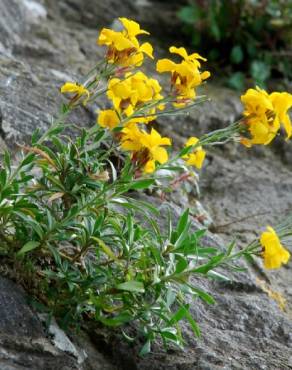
253 37
84 246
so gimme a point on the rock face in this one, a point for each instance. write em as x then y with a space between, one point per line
23 344
44 43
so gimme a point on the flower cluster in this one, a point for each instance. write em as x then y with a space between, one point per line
136 99
265 113
123 47
132 93
146 147
185 76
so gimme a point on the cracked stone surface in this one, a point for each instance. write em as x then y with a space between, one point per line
44 43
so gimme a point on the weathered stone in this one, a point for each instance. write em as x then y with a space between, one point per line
45 43
23 343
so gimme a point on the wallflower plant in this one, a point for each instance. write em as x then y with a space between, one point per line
72 222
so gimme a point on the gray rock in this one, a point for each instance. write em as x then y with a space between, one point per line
23 344
43 44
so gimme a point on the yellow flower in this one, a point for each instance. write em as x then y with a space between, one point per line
131 138
132 92
153 142
77 89
197 157
123 47
264 114
185 76
261 121
146 147
108 118
282 102
274 253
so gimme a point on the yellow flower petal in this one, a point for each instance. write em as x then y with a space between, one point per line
159 154
165 65
180 51
75 88
108 37
205 75
147 49
282 102
132 27
197 157
131 138
192 141
149 166
108 118
192 58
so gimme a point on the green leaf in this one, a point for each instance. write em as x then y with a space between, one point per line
236 55
169 334
181 265
7 160
182 313
202 252
28 159
105 248
135 204
170 297
145 349
217 276
185 151
183 240
200 233
132 286
29 246
182 222
55 130
55 254
214 26
64 108
118 320
213 262
141 184
203 295
260 72
188 14
193 324
32 223
237 81
114 171
230 248
179 315
35 136
127 337
3 177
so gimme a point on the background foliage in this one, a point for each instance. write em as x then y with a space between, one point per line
246 38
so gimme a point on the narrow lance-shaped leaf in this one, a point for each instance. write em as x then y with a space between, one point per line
29 246
132 286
